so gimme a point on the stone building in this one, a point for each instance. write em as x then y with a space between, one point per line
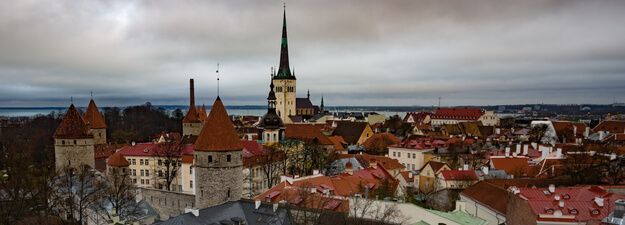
192 121
218 160
96 123
73 144
117 164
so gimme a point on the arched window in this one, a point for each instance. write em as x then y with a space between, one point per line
228 193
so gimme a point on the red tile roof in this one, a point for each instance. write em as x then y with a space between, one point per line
458 113
218 133
517 166
489 195
150 149
193 116
417 117
338 142
613 126
306 133
93 117
380 141
117 160
406 176
579 203
342 185
72 126
459 175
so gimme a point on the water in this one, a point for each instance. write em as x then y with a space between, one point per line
235 110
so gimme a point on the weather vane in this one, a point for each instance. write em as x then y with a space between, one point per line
217 71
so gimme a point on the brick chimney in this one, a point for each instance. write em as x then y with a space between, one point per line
191 93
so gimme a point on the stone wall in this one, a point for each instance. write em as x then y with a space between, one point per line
167 203
191 129
73 153
218 181
99 136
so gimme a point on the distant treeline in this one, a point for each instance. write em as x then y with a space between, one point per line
133 123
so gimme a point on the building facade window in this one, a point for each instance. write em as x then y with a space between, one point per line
210 158
228 158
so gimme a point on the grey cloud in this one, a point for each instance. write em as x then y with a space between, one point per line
353 52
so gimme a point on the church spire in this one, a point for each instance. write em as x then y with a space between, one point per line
284 71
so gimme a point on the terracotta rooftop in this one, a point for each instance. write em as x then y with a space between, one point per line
459 175
117 160
380 141
458 113
93 117
579 204
72 126
489 195
338 142
613 126
306 133
218 133
517 166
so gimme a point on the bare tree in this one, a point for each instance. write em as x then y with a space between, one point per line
120 194
169 154
77 191
271 163
584 164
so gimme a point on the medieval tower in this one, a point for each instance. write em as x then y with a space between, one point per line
218 160
95 123
284 81
192 122
73 144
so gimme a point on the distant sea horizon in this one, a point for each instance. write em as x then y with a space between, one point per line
240 110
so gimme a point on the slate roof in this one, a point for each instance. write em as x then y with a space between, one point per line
218 133
93 117
350 131
72 126
229 211
303 103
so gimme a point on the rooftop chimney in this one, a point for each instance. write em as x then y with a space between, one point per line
256 204
552 188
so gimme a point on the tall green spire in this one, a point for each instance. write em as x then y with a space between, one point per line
284 71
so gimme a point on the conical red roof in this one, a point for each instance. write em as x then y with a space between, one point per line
93 117
192 116
117 160
72 126
218 133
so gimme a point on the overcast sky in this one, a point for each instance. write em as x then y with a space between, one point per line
353 52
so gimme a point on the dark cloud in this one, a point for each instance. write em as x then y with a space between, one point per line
353 52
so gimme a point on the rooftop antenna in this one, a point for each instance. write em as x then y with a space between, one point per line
217 71
439 101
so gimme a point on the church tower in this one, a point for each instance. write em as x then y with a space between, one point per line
95 123
218 160
271 126
191 123
73 145
284 81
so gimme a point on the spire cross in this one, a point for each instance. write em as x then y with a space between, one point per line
71 99
91 94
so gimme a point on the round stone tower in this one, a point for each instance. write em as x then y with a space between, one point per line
218 160
73 145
